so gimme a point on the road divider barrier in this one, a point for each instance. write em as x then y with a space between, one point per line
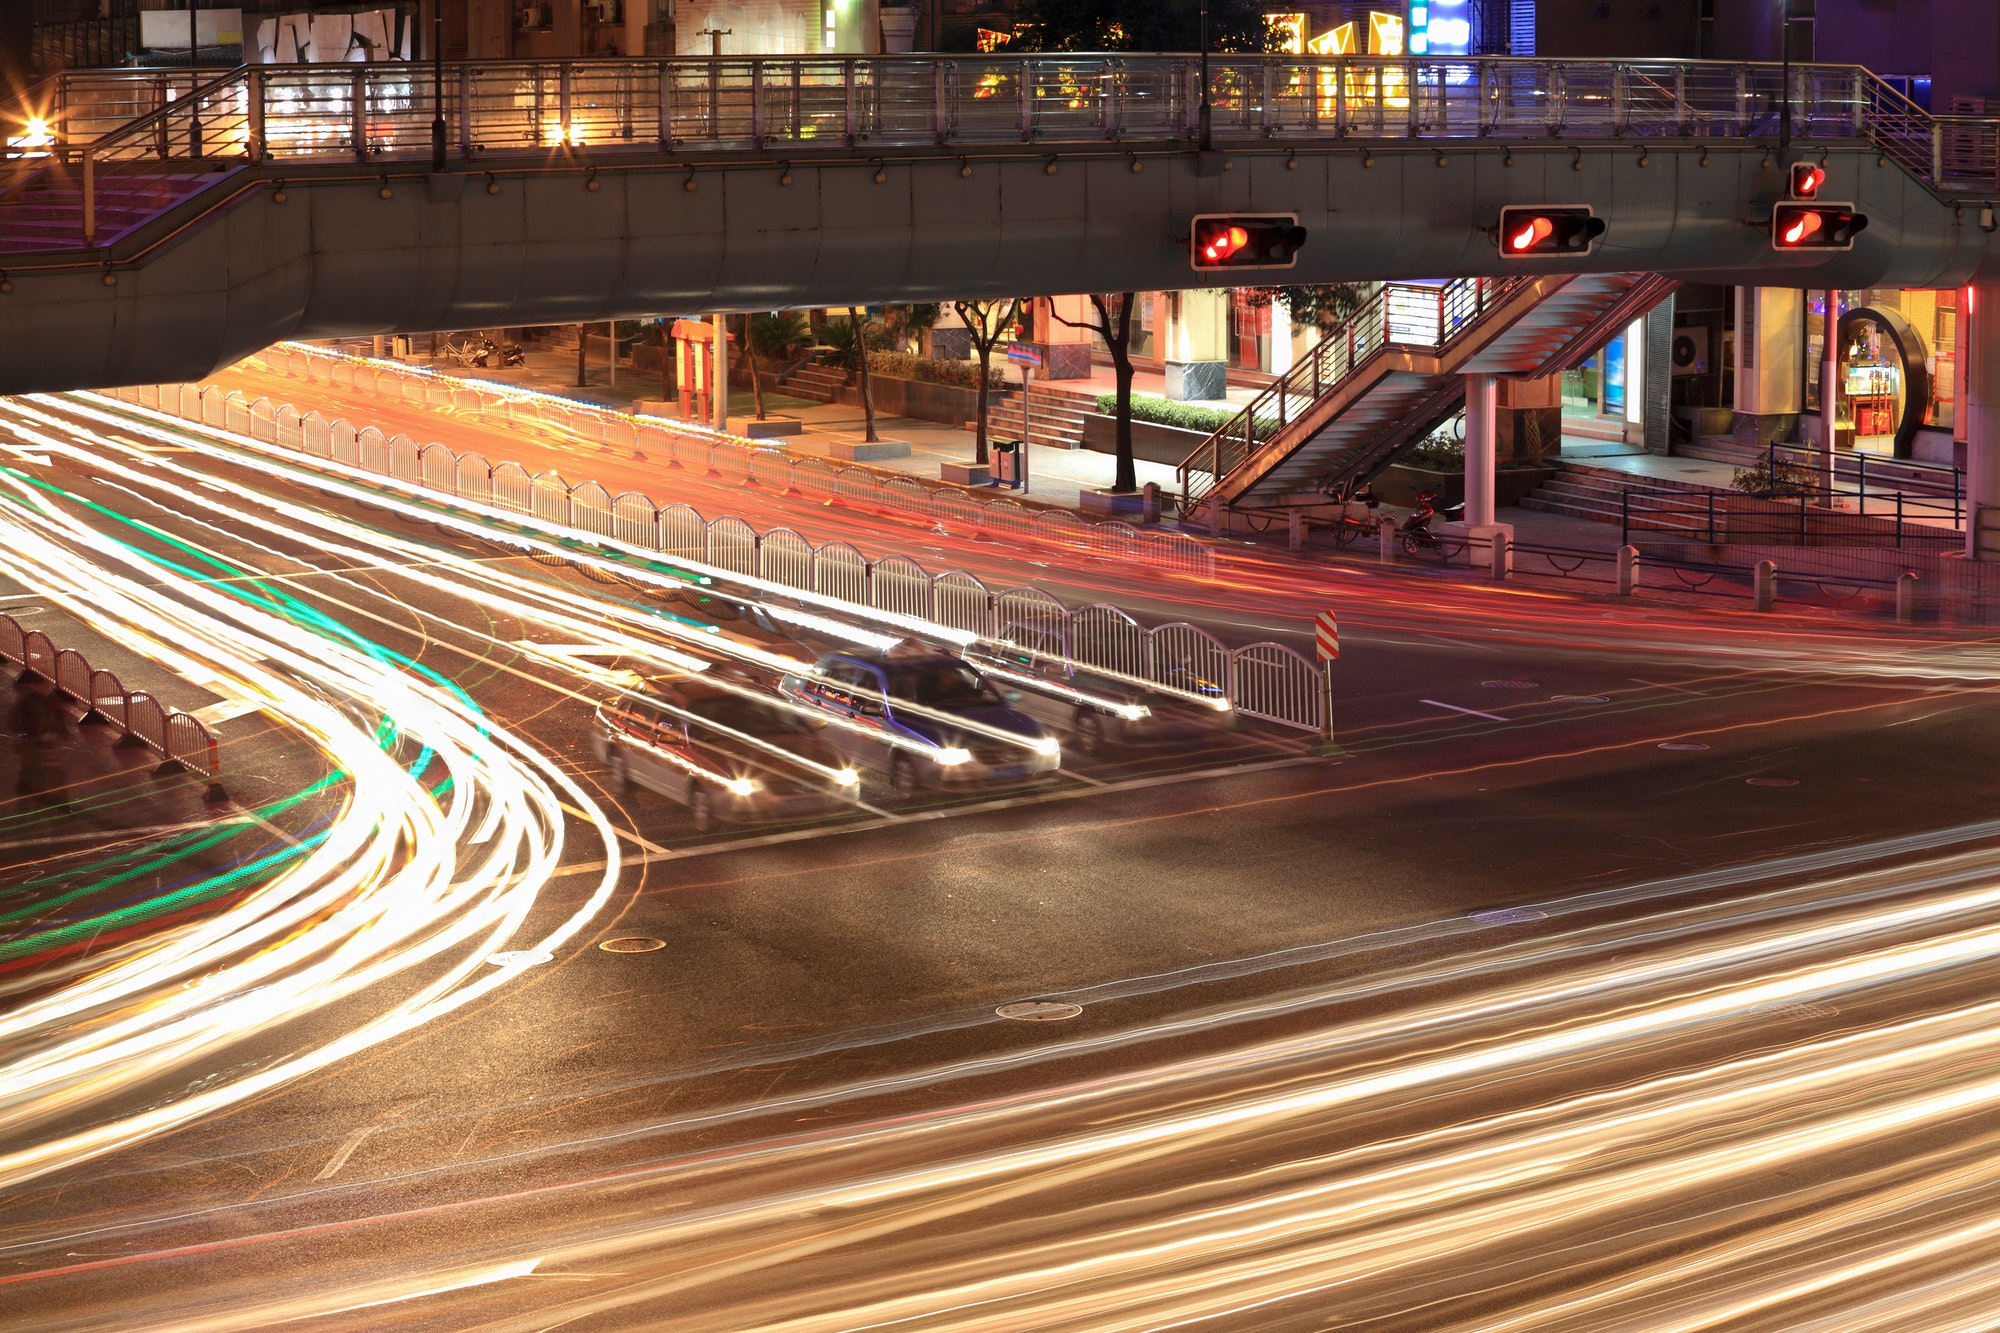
685 446
1267 681
181 741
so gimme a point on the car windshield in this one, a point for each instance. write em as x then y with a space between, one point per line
940 684
748 716
701 606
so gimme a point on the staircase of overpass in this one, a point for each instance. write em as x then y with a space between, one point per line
155 224
1392 373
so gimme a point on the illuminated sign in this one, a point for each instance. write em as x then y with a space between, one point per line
1334 42
1385 34
991 40
1440 27
1288 32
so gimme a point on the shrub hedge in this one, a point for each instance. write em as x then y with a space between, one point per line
1186 416
902 366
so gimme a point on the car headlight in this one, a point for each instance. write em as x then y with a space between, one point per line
846 777
1133 712
740 786
952 754
1045 745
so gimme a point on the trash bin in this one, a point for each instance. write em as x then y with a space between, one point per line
1006 463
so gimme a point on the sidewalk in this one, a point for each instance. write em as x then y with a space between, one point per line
1055 476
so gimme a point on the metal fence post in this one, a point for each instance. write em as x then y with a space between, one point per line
1624 515
89 197
253 143
1711 518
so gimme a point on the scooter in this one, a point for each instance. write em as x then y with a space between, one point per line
1416 529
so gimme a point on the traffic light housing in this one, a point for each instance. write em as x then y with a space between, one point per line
1548 231
1238 241
1806 178
1815 226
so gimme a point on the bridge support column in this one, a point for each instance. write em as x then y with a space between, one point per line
1981 322
1482 414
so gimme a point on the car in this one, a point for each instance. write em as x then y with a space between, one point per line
723 752
732 620
1102 710
925 717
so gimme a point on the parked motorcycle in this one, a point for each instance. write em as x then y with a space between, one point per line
513 354
1416 529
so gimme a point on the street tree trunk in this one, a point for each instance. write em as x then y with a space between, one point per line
1118 338
980 454
854 317
756 379
985 331
582 366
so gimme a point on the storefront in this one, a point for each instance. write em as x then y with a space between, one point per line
1898 354
1602 397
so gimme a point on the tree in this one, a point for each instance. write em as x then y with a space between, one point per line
1114 325
750 360
1139 25
987 322
860 328
1324 308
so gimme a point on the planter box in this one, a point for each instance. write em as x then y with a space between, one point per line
919 400
772 427
1153 443
858 451
966 474
1399 483
1130 506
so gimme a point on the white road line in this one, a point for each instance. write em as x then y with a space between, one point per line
625 833
118 837
1658 685
1456 709
954 812
347 1148
225 711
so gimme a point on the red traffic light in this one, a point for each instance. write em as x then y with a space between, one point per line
1549 231
1234 241
1815 226
1806 180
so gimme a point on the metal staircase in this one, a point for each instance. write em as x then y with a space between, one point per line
1392 373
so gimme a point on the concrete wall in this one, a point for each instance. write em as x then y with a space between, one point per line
1573 28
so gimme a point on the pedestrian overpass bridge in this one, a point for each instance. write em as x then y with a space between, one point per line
154 225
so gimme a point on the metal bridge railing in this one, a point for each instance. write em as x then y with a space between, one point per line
381 113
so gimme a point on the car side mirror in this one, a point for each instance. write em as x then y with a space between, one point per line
871 707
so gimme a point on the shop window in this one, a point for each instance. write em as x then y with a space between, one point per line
1250 327
1596 389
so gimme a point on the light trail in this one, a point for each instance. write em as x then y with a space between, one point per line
413 881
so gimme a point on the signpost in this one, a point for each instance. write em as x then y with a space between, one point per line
1326 637
1027 358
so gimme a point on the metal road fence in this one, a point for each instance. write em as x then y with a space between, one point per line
1264 680
1878 518
687 447
180 740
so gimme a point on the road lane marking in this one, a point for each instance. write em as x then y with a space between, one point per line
1678 689
1474 712
903 820
347 1148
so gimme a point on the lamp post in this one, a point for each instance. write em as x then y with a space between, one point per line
437 89
1785 64
1205 144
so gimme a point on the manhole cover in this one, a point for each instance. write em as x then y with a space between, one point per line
1509 684
1771 782
1507 916
1580 698
632 944
1038 1011
520 958
1799 1009
1682 745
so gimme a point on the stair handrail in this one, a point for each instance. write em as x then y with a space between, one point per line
1345 350
156 126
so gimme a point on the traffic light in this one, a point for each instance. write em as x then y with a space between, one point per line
1549 231
1228 240
1806 180
1815 226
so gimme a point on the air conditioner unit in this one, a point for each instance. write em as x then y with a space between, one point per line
1690 354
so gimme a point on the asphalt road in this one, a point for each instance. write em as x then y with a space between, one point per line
803 1107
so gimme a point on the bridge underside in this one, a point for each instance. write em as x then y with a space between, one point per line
358 250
